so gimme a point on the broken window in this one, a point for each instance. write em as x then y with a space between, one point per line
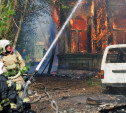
116 55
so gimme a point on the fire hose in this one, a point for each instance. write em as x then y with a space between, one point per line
53 103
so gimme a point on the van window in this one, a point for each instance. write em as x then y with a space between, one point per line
116 55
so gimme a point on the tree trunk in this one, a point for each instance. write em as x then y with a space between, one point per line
10 20
20 24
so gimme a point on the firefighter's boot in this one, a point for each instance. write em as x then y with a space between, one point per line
27 108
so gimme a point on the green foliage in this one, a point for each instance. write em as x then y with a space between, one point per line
10 73
94 81
26 68
51 3
7 73
65 6
90 83
23 70
5 14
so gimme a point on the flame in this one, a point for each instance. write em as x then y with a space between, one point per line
101 33
73 3
71 21
74 46
114 24
119 28
82 2
53 73
104 31
55 15
78 24
92 27
92 8
54 1
79 34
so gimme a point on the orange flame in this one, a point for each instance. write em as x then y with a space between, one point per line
78 24
114 24
82 2
101 32
55 15
79 38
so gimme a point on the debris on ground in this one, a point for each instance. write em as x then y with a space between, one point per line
75 95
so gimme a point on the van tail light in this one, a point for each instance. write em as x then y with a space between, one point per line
102 74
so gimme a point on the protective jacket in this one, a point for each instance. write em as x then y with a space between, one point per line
8 94
12 60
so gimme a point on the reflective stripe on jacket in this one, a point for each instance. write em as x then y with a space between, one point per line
17 87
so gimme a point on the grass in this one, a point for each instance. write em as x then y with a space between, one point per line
94 81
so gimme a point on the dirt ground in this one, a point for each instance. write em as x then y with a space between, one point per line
69 94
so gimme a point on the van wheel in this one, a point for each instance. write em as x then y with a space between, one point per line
109 88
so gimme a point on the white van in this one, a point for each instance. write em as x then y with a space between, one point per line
113 66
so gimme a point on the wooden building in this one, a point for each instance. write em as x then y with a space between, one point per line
95 25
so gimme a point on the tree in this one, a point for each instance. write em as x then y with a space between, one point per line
6 13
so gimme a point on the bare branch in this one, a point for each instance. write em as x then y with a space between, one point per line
20 24
15 23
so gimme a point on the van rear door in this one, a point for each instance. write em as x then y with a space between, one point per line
114 65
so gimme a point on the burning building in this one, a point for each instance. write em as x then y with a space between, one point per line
95 25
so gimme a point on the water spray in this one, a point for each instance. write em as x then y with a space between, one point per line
53 43
57 37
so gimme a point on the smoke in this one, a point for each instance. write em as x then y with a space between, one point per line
35 37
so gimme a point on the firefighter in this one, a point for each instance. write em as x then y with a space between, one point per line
13 61
10 102
8 94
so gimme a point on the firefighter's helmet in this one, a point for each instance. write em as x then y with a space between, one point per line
3 44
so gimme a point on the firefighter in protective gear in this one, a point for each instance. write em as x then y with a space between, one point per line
12 61
9 99
8 94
